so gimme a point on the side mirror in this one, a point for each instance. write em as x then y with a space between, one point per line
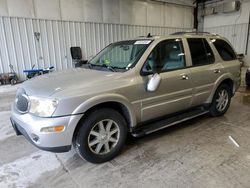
76 53
154 82
80 63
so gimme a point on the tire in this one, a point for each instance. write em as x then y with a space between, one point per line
13 81
98 145
215 108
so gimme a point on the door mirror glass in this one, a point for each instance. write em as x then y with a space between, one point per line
154 82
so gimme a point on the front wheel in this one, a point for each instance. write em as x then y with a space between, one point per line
101 136
221 100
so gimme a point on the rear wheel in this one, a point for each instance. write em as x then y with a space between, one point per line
101 136
221 100
13 81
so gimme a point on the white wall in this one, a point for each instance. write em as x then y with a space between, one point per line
239 17
233 26
90 24
134 12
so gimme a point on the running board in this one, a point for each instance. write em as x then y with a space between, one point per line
161 124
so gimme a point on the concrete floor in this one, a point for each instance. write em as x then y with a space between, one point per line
197 153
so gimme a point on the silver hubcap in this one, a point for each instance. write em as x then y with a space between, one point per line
222 101
103 137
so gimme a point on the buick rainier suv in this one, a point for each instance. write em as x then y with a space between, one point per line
131 87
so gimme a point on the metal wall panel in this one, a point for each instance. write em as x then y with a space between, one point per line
20 47
236 34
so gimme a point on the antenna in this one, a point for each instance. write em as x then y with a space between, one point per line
149 35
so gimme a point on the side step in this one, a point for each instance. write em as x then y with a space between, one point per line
161 124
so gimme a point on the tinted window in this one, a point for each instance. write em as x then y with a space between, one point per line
167 55
224 49
210 54
201 52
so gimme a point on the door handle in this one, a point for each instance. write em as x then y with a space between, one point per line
216 71
184 77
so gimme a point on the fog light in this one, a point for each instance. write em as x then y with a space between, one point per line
35 137
58 128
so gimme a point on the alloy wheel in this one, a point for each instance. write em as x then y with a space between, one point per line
222 100
103 137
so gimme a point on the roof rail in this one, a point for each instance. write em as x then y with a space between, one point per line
193 33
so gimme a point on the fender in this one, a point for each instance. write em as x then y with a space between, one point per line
217 83
99 99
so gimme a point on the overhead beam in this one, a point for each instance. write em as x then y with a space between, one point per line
178 3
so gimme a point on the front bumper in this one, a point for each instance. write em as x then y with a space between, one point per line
30 127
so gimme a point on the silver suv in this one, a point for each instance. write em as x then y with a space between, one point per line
131 87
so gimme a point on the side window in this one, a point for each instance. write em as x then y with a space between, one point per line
167 55
201 52
224 49
210 54
151 65
172 55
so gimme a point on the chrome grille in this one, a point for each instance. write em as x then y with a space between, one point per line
22 102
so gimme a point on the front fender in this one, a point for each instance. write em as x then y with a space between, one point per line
103 98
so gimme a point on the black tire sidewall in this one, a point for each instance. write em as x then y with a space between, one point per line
213 109
13 81
86 126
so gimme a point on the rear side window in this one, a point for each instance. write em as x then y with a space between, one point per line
201 52
209 52
224 49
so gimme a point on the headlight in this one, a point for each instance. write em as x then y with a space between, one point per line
42 107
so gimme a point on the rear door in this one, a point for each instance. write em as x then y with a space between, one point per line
230 63
204 70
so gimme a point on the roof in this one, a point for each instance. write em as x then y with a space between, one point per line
195 33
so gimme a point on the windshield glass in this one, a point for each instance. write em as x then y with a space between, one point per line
121 55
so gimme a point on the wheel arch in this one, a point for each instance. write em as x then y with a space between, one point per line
114 101
224 79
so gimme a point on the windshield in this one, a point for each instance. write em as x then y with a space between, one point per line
121 55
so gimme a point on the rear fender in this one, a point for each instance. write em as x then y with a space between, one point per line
218 83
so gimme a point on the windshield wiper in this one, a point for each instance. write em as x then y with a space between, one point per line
105 66
109 67
89 65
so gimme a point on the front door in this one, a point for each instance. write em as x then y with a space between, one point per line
175 90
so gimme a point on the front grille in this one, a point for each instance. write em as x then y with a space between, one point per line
22 102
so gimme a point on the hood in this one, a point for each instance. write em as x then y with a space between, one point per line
49 84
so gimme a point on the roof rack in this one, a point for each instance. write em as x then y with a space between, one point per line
192 33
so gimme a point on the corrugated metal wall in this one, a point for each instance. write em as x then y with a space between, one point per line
20 47
236 34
